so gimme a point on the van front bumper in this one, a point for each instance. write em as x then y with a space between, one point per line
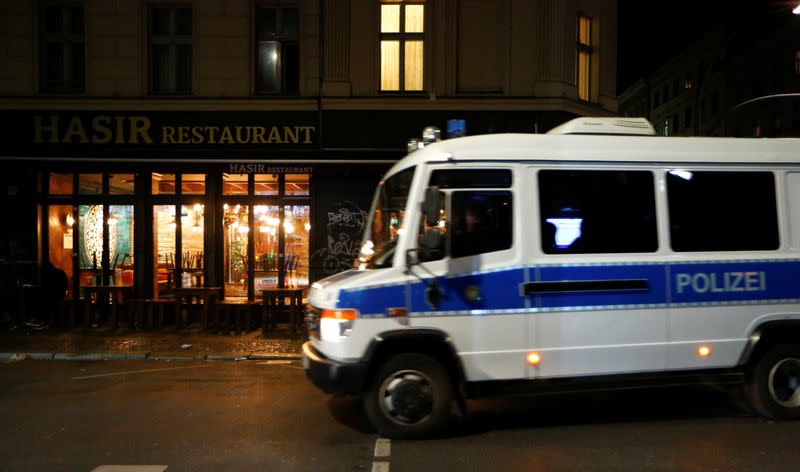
331 376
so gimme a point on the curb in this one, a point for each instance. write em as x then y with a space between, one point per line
65 356
274 357
37 356
99 357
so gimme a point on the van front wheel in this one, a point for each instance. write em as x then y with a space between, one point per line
773 386
410 397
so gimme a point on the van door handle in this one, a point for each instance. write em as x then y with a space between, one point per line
578 286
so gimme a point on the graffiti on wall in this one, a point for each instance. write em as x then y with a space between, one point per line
345 227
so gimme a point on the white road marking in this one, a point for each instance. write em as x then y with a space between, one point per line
383 447
144 371
131 468
380 467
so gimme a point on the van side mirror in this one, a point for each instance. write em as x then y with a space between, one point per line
431 206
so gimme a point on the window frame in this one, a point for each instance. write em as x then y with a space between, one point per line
451 204
670 209
283 39
172 40
401 37
587 49
69 82
656 228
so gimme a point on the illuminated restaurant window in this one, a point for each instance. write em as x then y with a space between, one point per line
192 245
61 223
235 223
584 57
163 184
63 60
170 44
402 45
164 225
266 184
234 184
60 184
120 184
296 227
296 184
120 244
90 184
193 184
277 50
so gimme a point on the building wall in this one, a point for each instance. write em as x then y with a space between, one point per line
473 49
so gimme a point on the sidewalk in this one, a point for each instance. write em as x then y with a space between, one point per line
187 344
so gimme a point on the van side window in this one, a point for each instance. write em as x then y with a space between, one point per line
722 211
597 212
480 222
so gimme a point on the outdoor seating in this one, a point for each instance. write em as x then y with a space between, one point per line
275 303
234 315
97 300
148 313
204 296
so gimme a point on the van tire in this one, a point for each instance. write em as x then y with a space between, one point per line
773 383
409 397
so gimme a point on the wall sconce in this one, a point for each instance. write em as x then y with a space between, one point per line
70 220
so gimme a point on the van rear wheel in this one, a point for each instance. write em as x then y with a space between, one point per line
410 397
773 385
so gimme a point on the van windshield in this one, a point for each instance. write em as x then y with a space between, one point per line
386 219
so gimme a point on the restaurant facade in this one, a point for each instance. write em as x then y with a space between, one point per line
238 144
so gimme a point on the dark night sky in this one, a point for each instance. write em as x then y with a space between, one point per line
652 31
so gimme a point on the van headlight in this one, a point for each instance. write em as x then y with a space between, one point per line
336 325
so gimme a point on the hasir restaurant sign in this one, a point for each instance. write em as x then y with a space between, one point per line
35 131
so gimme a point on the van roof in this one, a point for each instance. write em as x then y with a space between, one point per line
603 149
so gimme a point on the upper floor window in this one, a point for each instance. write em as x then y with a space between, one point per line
170 34
63 58
277 50
402 44
584 57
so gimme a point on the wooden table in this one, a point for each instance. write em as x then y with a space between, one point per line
274 300
205 295
117 294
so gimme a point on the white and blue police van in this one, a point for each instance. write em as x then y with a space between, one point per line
594 256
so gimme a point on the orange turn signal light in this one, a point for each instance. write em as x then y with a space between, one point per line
343 314
397 311
703 351
534 358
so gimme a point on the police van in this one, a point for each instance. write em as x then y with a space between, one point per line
594 256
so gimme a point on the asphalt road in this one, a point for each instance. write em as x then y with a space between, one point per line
265 416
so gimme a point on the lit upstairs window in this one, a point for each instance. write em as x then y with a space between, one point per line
584 57
277 50
402 45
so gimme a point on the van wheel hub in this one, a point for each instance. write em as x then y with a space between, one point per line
407 397
784 383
